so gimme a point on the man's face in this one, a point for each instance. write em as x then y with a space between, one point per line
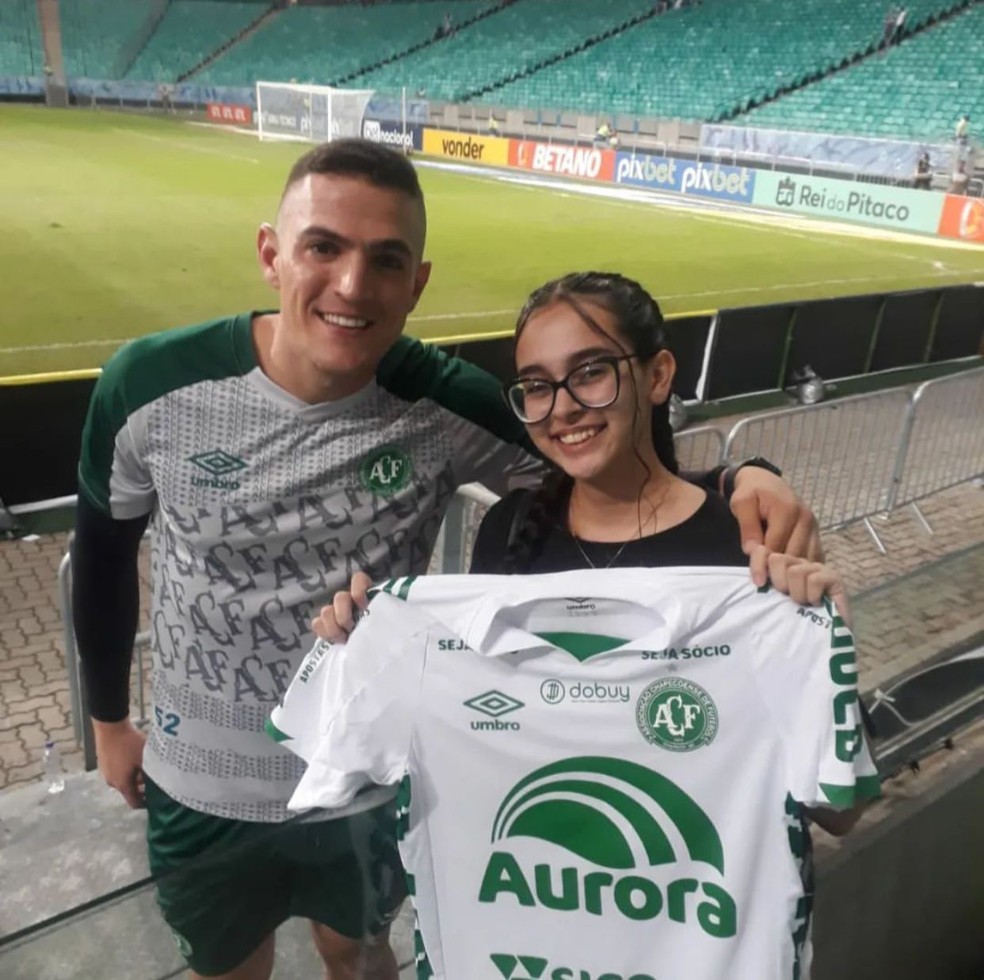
345 257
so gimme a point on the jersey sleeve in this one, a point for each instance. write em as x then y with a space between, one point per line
113 473
493 447
349 711
811 686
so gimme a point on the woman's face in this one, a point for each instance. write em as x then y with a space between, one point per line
590 443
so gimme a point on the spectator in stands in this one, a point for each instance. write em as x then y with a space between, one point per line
959 180
961 129
277 452
923 176
493 126
165 92
603 133
888 26
900 25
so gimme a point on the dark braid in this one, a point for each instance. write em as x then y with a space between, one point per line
640 323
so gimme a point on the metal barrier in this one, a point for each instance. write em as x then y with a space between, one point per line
851 459
699 449
841 456
944 440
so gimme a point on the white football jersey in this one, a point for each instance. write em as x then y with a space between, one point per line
606 769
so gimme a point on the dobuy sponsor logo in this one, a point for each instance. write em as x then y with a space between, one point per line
494 704
386 470
519 967
676 714
612 817
377 132
553 692
217 463
566 161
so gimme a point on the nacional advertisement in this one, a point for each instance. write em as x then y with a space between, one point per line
589 162
963 218
466 147
235 115
901 208
392 134
691 177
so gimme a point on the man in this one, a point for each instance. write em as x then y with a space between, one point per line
960 131
277 453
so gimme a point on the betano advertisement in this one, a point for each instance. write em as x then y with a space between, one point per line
685 176
467 147
871 204
963 218
588 162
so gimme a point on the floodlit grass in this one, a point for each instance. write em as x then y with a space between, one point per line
118 225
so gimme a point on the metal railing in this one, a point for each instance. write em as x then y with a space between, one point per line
944 440
851 459
840 456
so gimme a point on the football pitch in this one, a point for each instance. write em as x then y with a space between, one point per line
117 225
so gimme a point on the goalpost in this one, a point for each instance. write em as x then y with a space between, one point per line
311 113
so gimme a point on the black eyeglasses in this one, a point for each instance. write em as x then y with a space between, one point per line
595 384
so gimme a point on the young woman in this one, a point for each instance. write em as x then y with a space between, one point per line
594 377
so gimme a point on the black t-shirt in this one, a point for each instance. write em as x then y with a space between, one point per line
709 537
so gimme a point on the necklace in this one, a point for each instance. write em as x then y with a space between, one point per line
587 558
654 517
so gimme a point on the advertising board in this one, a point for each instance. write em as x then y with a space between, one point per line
466 147
714 180
236 115
589 162
963 217
392 134
901 208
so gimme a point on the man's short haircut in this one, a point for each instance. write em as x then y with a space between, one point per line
372 162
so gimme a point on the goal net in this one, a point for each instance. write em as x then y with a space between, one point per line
312 113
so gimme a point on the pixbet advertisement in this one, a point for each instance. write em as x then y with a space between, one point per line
691 177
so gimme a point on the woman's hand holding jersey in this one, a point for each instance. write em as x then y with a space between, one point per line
806 582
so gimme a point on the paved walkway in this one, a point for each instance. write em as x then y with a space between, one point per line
924 596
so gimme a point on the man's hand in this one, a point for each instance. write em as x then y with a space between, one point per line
769 513
335 622
120 749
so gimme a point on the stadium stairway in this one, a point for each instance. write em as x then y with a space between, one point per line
318 44
706 61
519 36
917 88
255 25
188 33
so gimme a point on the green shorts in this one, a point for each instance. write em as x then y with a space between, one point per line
225 885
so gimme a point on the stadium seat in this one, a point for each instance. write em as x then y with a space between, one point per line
190 31
21 53
95 34
323 44
914 89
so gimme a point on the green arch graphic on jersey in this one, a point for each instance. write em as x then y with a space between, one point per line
583 828
531 809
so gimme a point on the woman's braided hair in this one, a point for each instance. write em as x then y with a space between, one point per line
640 324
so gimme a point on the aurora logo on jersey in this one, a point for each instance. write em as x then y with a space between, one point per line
386 470
676 714
217 463
520 967
614 815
